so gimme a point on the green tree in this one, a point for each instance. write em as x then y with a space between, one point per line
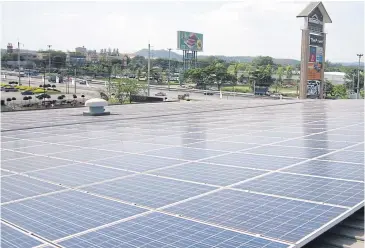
279 81
351 77
263 61
339 91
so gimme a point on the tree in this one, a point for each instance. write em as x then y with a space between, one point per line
263 61
351 77
339 91
125 88
289 71
279 80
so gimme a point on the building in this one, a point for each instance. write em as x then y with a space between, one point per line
81 50
335 77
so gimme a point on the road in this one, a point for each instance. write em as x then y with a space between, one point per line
96 86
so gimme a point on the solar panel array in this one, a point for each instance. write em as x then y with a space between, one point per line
205 174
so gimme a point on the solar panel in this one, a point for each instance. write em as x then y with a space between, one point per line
272 217
63 214
13 238
148 191
78 174
199 174
254 161
337 192
330 169
209 173
17 187
346 156
32 163
185 153
159 230
137 162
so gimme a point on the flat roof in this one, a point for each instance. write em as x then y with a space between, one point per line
255 173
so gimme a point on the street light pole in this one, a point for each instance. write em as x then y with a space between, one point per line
49 59
148 69
358 77
169 76
18 63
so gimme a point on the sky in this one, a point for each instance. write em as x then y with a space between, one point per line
230 28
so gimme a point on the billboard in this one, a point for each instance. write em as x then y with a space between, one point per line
189 41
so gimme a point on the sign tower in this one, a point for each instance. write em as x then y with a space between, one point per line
313 51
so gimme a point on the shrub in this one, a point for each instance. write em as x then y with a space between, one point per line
13 98
38 91
25 98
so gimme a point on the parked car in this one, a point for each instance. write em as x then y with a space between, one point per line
160 94
8 89
43 95
27 93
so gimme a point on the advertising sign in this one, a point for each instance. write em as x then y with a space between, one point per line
314 71
315 40
312 54
315 21
189 41
313 88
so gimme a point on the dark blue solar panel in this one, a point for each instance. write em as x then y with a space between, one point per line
345 156
17 187
331 191
78 174
270 216
357 148
330 169
129 146
148 190
185 153
5 173
44 149
12 238
63 214
252 139
159 230
136 162
209 173
254 161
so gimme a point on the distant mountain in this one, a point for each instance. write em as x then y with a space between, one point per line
164 54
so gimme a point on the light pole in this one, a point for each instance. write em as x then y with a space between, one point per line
148 69
358 77
169 75
49 59
18 63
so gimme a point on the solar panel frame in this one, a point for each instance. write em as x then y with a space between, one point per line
14 238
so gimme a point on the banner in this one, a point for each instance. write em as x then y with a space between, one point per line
315 21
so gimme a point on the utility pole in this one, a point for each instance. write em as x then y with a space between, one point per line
18 63
358 77
75 80
148 69
49 59
169 75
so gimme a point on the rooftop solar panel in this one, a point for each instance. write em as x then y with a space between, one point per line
32 163
209 173
330 169
17 187
137 162
254 161
78 174
193 159
63 214
149 191
337 192
272 217
159 230
13 238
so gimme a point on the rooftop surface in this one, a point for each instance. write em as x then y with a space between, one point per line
257 173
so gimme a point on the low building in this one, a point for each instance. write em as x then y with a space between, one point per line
335 77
